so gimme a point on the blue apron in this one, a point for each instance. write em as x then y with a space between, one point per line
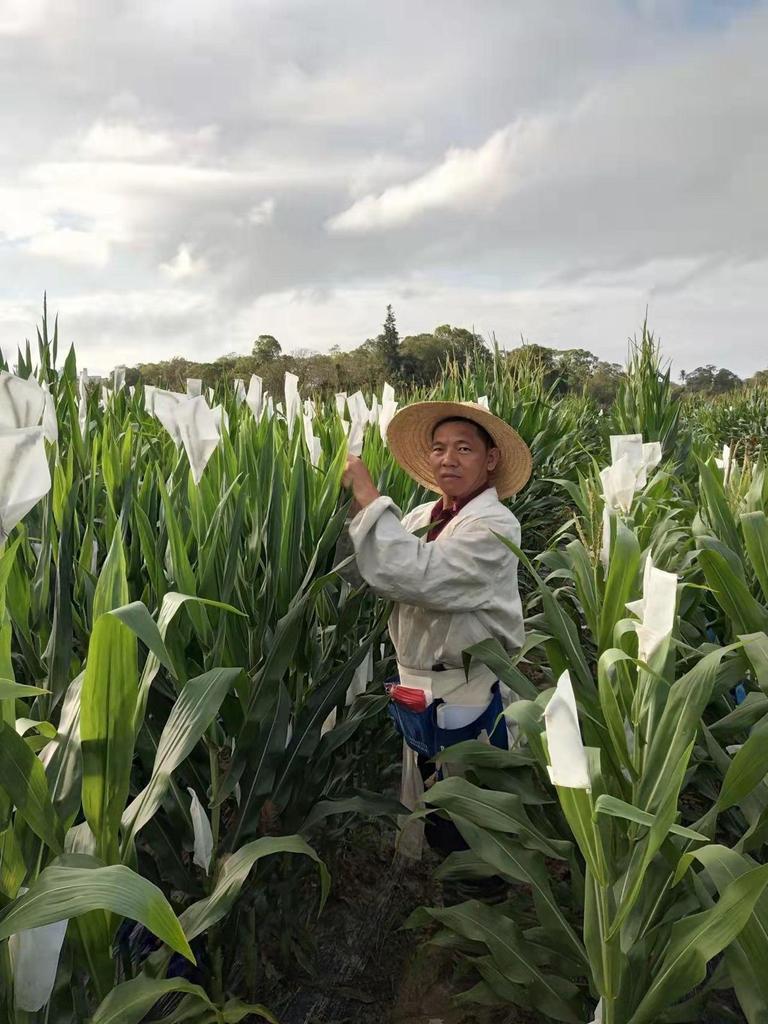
421 732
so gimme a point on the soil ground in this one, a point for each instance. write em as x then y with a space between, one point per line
368 970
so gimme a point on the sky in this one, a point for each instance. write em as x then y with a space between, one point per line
180 177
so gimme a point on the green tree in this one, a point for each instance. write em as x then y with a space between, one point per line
386 346
423 355
266 348
709 380
577 366
603 384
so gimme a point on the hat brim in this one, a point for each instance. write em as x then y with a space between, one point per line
409 438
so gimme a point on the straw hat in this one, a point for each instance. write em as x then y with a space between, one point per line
410 439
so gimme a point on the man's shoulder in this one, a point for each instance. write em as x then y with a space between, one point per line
492 513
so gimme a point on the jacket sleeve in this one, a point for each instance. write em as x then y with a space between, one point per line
458 572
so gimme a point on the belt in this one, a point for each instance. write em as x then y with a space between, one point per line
451 684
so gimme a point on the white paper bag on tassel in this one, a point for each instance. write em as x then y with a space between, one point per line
656 610
358 408
22 402
194 387
568 765
199 428
239 391
630 445
254 396
725 462
82 416
651 456
619 482
341 402
165 408
373 416
50 423
24 475
313 443
292 401
355 437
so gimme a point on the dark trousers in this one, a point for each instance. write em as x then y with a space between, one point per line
441 834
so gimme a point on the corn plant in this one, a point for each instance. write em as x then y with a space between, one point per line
634 720
180 649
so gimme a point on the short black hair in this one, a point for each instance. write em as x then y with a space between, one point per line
485 437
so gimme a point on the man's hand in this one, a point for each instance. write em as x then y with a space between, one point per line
357 477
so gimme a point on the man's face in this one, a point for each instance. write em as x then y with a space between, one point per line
460 461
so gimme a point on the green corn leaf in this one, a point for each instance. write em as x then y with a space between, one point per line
607 685
501 812
748 768
372 806
66 890
13 870
136 617
9 690
491 654
191 714
22 776
62 756
732 594
677 727
748 953
620 809
582 568
716 506
476 754
756 650
695 940
260 748
620 582
112 586
561 628
754 527
508 858
233 873
130 1002
512 956
108 702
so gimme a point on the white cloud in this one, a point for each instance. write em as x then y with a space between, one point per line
464 179
67 245
183 265
262 213
123 140
317 163
21 17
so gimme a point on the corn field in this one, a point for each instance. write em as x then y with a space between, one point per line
191 700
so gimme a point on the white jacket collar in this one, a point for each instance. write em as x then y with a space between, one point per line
486 499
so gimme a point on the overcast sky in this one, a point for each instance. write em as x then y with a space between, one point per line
183 176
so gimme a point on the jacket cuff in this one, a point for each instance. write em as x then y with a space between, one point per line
367 517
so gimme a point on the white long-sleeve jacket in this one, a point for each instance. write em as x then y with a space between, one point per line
449 593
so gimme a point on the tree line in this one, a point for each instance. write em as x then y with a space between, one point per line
415 360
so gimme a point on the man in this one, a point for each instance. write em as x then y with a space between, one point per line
453 582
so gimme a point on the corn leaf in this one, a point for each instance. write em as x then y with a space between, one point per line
67 890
